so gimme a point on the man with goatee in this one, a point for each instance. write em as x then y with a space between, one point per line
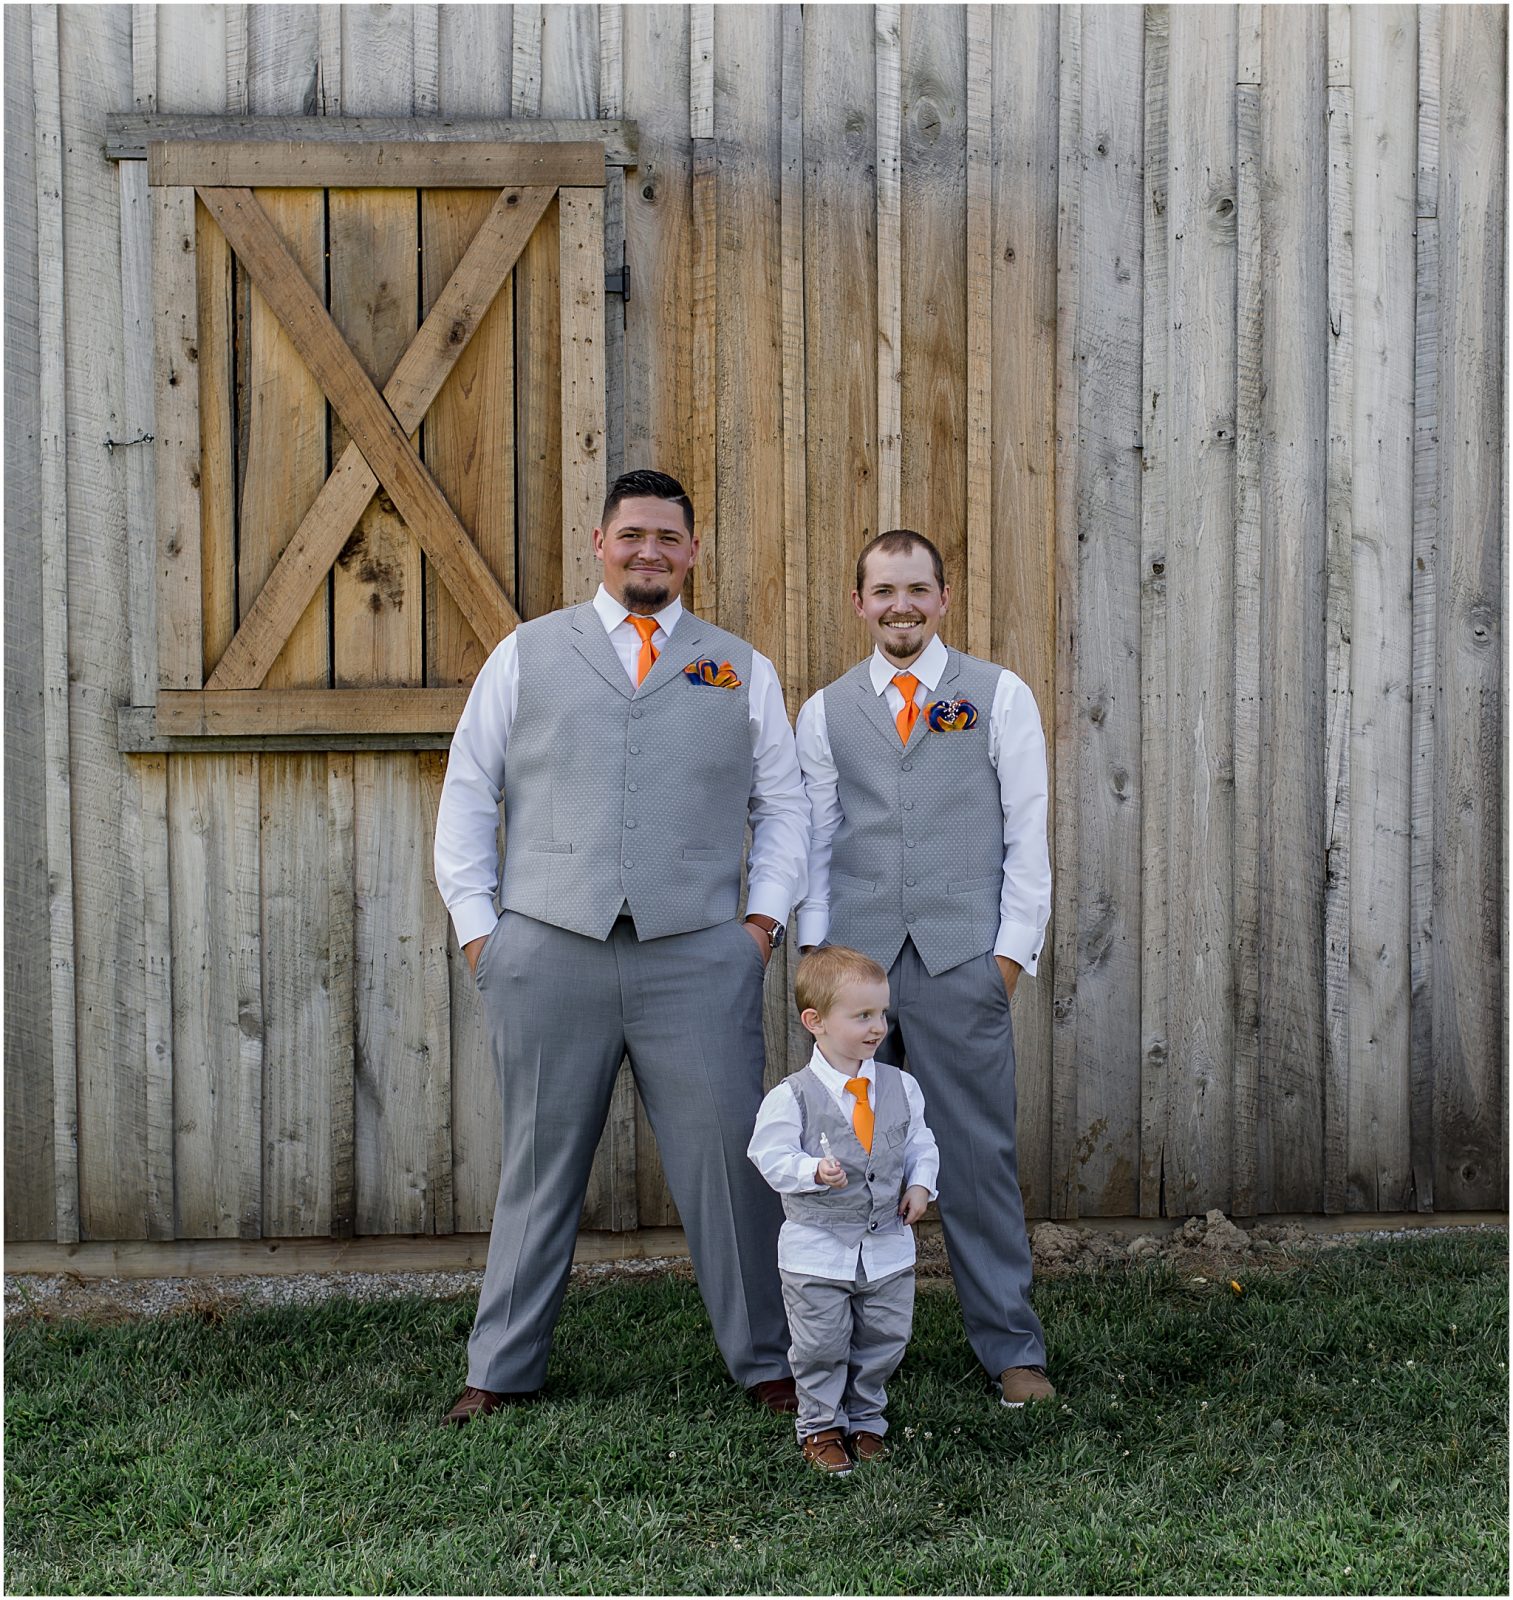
631 743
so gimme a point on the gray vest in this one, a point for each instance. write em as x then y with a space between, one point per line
617 795
869 1202
919 852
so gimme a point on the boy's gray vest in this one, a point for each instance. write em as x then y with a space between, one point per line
620 795
868 1205
919 852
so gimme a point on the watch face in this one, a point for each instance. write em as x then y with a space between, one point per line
778 934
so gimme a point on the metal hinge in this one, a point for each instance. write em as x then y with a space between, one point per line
618 282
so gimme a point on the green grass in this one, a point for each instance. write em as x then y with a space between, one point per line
1338 1429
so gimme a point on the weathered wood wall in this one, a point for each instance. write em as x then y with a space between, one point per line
1180 329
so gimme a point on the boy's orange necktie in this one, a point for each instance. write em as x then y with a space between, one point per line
861 1112
908 713
646 627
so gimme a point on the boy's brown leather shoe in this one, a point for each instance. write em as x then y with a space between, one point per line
826 1452
867 1446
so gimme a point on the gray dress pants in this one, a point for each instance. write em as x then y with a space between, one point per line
958 1034
561 1010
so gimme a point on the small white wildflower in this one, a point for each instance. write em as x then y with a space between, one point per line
929 1436
1067 1409
1410 1363
1203 1405
1124 1452
908 1433
1119 1376
1348 1571
672 1455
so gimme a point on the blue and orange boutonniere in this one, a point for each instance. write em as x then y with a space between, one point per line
719 674
951 716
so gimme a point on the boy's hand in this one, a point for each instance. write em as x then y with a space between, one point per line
912 1206
831 1173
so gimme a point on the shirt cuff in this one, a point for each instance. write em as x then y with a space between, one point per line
474 918
813 926
1020 942
767 900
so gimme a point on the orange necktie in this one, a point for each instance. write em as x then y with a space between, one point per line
861 1112
646 627
908 713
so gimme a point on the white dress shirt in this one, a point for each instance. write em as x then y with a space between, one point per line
467 821
810 1247
1016 747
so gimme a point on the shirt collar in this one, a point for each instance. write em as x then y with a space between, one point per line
612 613
834 1080
929 667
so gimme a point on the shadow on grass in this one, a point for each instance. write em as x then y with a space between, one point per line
1340 1428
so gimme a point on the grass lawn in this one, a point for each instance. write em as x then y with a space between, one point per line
1341 1428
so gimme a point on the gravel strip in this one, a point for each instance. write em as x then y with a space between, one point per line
1201 1245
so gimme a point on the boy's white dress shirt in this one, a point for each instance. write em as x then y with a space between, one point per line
1014 733
809 1247
467 857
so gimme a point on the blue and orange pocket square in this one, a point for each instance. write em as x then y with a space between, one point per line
951 716
719 674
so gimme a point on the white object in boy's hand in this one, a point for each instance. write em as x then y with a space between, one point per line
829 1172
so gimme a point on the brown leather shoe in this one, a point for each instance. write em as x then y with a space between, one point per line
826 1452
1020 1384
777 1394
476 1403
866 1446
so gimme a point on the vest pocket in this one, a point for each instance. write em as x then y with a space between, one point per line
856 885
699 853
551 847
972 885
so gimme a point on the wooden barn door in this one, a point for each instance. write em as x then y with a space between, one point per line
380 384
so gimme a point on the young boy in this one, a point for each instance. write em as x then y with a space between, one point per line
844 1142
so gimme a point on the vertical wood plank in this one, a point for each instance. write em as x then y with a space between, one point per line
840 333
1294 244
1244 1144
1100 882
37 568
1470 1034
795 483
702 381
216 978
475 47
1426 437
525 74
94 74
890 342
340 1072
1061 1198
749 389
701 71
612 104
581 271
146 986
1378 1174
435 932
1026 113
979 230
1339 584
1199 576
932 211
1155 763
658 240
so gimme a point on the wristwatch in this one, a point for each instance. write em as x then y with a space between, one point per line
774 930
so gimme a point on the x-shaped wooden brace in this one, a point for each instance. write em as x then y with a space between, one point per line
379 426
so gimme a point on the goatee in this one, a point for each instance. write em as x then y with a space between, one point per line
646 597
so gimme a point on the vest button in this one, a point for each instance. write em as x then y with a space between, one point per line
634 749
908 765
910 843
630 822
908 805
635 711
909 883
632 787
626 865
908 918
872 1227
871 1176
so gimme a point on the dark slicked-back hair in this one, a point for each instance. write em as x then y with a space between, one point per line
895 542
647 484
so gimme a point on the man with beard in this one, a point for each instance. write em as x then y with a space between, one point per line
631 742
926 775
